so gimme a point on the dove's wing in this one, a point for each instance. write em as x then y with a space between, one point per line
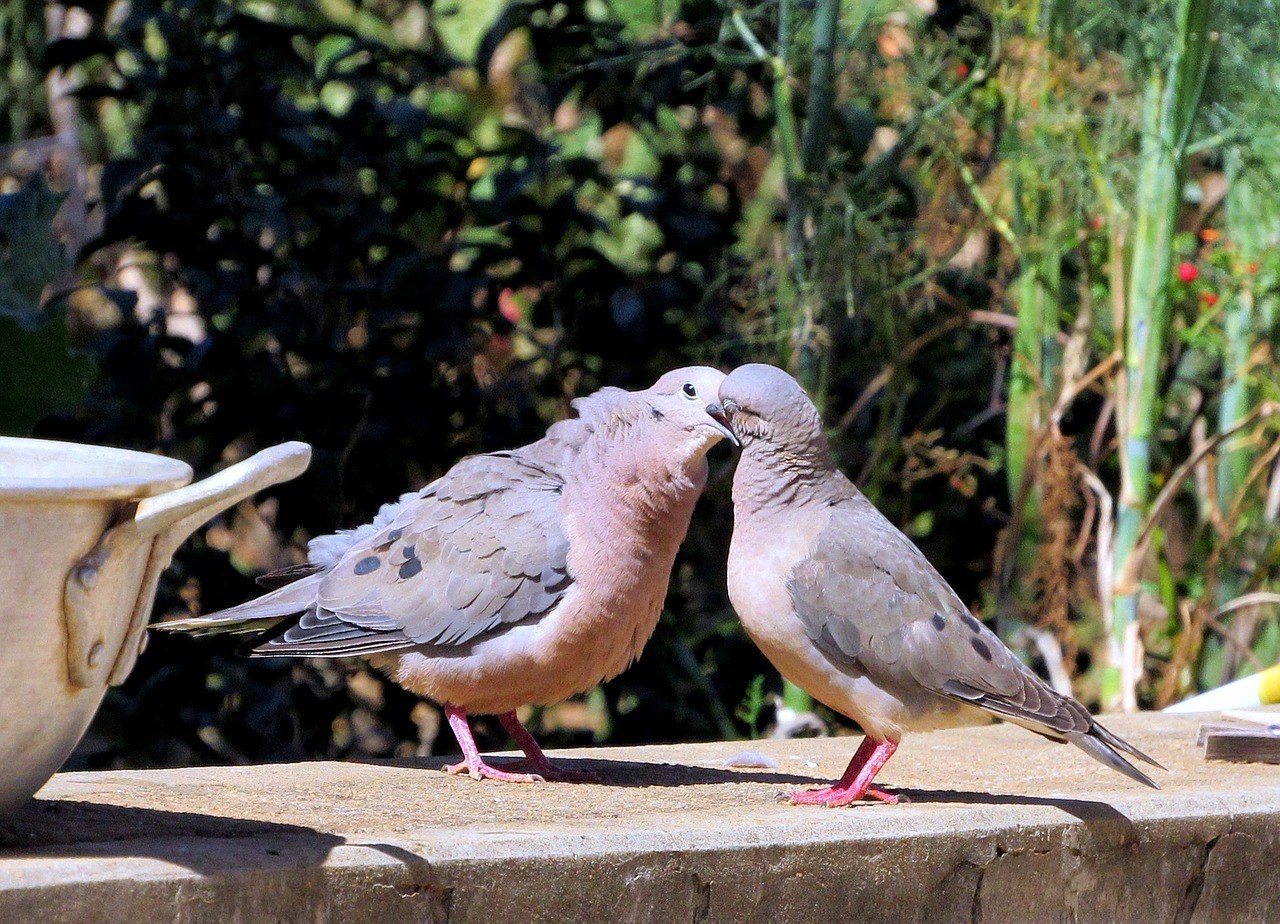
480 548
867 593
868 597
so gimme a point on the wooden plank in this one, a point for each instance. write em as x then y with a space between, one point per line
1239 742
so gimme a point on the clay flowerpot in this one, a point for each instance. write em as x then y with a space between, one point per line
84 533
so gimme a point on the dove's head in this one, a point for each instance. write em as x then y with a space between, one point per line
688 400
766 408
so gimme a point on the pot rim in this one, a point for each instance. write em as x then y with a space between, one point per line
77 472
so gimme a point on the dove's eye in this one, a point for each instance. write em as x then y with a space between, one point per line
689 390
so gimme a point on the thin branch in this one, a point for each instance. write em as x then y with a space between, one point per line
1106 513
1069 394
1128 578
1257 598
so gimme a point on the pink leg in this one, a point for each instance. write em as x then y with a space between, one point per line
856 782
536 760
471 763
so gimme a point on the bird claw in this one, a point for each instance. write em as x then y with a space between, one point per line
553 774
482 771
835 797
888 798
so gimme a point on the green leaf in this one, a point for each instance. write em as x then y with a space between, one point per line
748 711
39 373
463 23
629 244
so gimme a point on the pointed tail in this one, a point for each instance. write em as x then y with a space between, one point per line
254 615
1106 748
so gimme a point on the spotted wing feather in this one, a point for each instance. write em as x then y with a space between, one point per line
481 548
866 595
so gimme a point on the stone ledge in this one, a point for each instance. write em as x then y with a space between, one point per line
1002 826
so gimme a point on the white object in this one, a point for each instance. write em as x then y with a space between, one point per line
1261 689
750 759
85 532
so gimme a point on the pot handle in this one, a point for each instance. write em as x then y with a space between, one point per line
165 522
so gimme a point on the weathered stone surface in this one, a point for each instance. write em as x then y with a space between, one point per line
1001 826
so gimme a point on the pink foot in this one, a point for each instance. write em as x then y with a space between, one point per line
537 761
856 782
534 760
472 763
483 771
835 797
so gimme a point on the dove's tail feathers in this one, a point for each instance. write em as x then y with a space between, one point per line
353 643
1105 748
253 615
1038 708
1120 744
322 633
283 577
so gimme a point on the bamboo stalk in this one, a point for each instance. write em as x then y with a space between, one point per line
809 359
818 109
1217 663
1251 225
1247 226
1039 227
1171 98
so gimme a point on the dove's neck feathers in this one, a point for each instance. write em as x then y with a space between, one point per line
631 483
635 456
783 472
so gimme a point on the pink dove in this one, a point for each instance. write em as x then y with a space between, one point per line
518 577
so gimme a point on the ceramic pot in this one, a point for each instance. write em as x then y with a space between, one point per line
84 533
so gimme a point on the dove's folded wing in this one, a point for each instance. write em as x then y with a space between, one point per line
481 548
867 594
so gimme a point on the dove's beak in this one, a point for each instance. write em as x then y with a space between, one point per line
716 412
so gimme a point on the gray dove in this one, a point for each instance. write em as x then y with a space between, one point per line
848 609
518 577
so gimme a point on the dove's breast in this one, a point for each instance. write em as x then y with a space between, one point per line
622 545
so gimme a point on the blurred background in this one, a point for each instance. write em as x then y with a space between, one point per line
1023 255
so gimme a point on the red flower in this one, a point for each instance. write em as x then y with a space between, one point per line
1097 222
1252 268
509 306
1187 272
1209 298
962 71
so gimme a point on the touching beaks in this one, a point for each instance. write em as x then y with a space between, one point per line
716 412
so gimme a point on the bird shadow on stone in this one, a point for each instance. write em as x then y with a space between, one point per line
204 844
1087 810
630 773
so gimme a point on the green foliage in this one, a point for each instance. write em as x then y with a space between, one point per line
462 24
40 374
30 255
21 43
752 705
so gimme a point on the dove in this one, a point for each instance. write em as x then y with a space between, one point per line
518 577
848 609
